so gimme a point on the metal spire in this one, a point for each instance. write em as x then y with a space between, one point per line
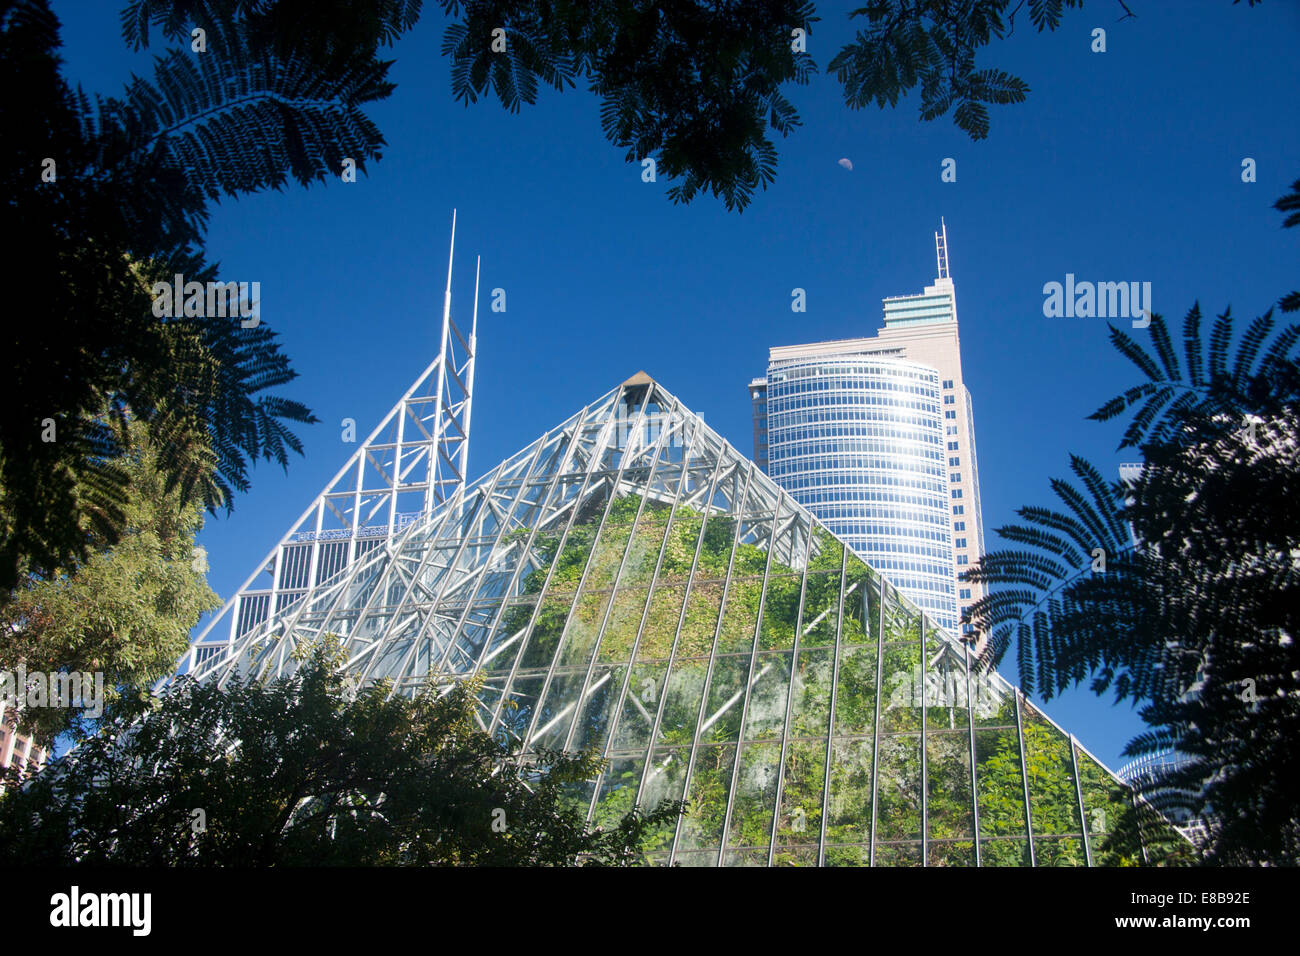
941 248
409 465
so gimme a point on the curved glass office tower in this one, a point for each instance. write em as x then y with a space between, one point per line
860 443
890 523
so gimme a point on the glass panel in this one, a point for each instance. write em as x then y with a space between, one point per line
902 687
745 858
643 551
618 791
666 777
583 626
661 623
571 561
859 855
710 783
1000 784
679 549
855 697
821 609
993 698
948 798
828 552
740 615
1103 803
640 706
596 713
1008 851
902 854
898 788
901 622
751 559
801 795
518 706
608 554
780 611
768 695
1058 851
552 724
722 716
544 639
682 705
861 602
698 858
500 659
961 853
539 559
701 620
945 692
755 801
620 631
795 856
715 551
811 707
1053 801
623 511
848 815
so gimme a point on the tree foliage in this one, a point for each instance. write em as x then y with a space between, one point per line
124 205
1180 590
697 86
126 612
932 44
304 771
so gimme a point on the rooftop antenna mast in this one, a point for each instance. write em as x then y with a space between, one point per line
941 248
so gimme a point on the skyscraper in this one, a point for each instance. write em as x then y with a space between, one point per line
876 437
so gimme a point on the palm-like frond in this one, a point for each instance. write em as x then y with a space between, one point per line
932 45
1202 605
694 86
322 28
1215 383
1192 345
1290 203
242 117
1047 582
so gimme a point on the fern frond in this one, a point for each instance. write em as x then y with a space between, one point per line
1134 352
1192 344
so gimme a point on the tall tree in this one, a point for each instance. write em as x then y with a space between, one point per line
303 771
1181 590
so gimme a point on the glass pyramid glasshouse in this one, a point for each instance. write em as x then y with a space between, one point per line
631 583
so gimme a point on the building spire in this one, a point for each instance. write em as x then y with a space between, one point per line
941 248
413 463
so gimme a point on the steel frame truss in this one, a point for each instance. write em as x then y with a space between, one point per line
463 588
411 464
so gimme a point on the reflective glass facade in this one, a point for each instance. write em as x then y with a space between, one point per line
860 443
630 583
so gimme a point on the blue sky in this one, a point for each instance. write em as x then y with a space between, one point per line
1123 165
